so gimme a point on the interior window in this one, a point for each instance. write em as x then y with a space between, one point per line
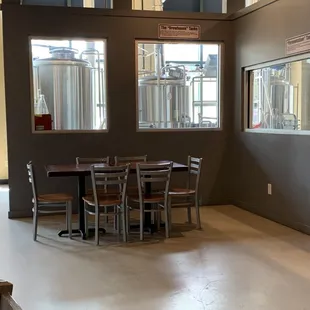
103 4
69 84
178 85
214 6
279 96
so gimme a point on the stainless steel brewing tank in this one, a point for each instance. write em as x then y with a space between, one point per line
66 82
280 91
164 102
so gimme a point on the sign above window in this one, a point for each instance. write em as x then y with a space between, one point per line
298 44
177 31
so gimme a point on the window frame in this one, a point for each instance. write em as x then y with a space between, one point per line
221 54
72 131
247 113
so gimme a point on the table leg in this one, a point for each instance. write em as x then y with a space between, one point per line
81 193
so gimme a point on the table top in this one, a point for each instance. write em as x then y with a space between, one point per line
84 169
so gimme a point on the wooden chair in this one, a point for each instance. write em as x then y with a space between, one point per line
103 189
93 161
97 204
83 160
49 204
188 197
121 160
6 300
158 174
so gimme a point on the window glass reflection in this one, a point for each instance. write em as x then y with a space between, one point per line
279 96
178 85
69 84
103 4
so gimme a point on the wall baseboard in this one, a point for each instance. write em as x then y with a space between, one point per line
26 214
301 227
19 214
4 181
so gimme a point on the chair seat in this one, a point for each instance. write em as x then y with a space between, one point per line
148 198
181 192
54 198
104 200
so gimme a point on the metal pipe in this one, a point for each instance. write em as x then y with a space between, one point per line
184 84
97 53
158 67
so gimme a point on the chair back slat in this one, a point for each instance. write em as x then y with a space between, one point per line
93 161
109 175
155 167
154 180
154 173
194 169
116 176
83 160
195 159
32 181
194 166
111 182
129 159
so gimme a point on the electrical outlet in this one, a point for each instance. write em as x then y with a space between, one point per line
269 189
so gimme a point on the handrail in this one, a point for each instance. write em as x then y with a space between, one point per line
6 300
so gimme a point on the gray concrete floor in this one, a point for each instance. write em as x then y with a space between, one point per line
238 261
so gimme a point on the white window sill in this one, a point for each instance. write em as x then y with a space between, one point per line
279 132
178 129
49 132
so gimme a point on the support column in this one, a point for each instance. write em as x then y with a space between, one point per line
3 135
235 5
122 5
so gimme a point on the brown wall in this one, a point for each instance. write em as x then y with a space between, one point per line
258 159
3 137
122 138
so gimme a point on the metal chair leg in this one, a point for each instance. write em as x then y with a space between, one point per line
197 213
35 223
69 218
167 217
86 220
158 217
97 219
119 220
127 214
115 218
189 215
170 214
152 216
123 208
141 222
106 211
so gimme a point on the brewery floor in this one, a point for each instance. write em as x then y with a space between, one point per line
238 261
